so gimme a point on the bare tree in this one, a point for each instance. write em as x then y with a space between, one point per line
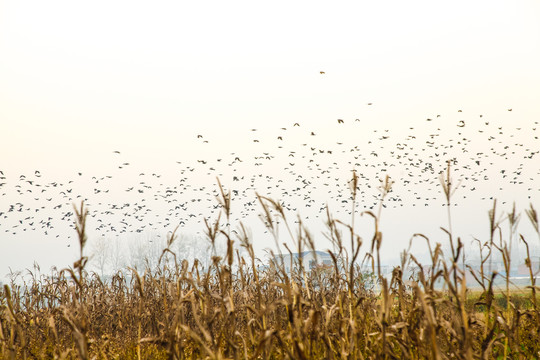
100 255
117 257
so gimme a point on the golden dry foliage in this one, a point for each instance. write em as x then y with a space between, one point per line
238 309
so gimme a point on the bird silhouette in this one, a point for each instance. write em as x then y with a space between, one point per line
304 171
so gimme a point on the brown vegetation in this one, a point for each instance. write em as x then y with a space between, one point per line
238 309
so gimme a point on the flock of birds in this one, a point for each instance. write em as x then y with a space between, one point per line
305 169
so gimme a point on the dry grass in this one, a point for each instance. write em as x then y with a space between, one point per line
236 309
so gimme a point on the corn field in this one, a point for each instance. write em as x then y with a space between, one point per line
237 308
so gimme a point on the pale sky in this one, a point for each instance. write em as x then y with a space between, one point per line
79 80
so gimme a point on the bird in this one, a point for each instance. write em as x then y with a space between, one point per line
416 154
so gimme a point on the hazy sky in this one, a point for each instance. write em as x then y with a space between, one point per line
79 80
